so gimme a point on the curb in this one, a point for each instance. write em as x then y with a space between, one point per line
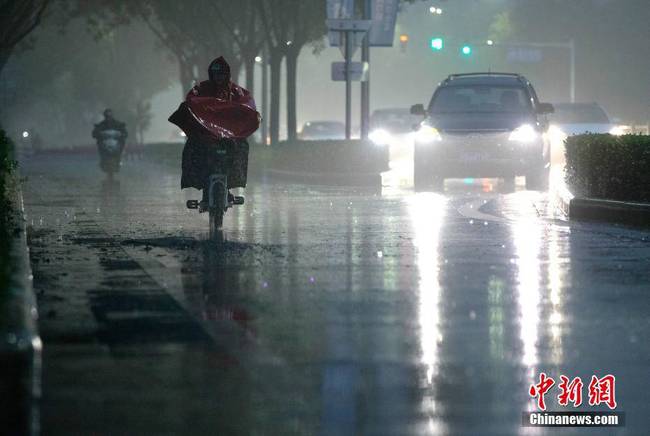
620 212
611 211
20 344
369 180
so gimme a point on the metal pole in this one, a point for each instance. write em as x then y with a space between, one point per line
572 47
365 86
265 98
348 85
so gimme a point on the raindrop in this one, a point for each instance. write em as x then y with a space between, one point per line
485 223
380 254
312 279
471 221
472 315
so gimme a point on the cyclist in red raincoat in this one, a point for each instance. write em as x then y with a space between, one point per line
216 110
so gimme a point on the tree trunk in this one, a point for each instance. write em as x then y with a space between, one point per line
275 63
235 69
292 67
250 74
186 76
5 54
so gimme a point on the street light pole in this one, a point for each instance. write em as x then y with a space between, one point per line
365 85
265 93
572 48
348 84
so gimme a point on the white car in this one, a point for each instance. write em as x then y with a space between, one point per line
322 130
392 126
578 118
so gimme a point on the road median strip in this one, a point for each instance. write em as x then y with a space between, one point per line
610 176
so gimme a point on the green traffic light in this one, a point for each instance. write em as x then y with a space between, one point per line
437 44
466 50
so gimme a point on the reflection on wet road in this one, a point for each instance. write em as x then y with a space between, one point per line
326 311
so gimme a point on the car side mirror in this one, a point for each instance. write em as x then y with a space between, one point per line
545 108
418 109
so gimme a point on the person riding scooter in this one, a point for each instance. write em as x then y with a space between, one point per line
216 113
111 139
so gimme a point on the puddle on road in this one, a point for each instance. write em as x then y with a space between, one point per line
171 242
222 250
119 264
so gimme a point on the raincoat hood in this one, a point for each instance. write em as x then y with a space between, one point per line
218 66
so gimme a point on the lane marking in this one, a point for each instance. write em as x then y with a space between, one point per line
471 210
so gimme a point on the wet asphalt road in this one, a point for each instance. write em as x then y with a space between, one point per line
326 311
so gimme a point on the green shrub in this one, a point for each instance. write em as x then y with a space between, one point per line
333 156
7 165
609 167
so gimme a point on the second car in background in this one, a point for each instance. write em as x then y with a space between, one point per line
392 126
322 130
579 118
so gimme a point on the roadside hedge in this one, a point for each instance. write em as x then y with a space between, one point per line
7 165
609 167
331 156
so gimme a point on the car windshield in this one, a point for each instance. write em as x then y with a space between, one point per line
480 99
395 121
579 114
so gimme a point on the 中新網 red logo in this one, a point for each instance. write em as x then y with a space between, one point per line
601 390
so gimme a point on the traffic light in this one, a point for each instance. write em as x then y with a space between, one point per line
466 50
437 44
403 40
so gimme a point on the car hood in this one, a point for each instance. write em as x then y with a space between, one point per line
477 122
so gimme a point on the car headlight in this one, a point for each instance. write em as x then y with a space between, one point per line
618 130
427 135
525 133
380 137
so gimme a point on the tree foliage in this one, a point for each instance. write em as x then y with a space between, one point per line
17 20
63 81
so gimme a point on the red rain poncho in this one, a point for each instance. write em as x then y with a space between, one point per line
226 112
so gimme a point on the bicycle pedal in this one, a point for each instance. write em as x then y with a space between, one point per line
238 200
192 204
